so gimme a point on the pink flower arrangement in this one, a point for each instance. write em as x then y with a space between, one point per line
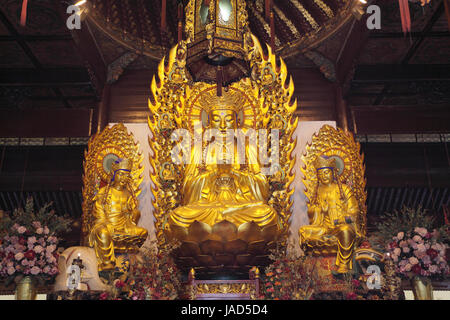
28 245
33 259
418 254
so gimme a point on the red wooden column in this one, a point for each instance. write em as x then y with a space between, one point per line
341 109
103 108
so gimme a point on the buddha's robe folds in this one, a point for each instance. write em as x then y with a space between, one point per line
238 198
329 231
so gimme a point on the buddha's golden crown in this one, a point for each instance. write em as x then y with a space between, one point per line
229 100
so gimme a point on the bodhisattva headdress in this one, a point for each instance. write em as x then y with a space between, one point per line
121 164
325 163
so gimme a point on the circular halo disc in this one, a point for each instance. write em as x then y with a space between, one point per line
339 164
108 160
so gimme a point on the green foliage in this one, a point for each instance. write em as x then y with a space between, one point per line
405 221
45 215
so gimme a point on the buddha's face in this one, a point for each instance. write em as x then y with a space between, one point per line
223 120
325 175
121 178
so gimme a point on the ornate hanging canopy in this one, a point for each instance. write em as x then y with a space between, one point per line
298 24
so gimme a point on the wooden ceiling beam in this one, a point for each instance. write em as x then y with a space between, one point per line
396 35
33 38
400 119
42 123
351 49
50 77
401 73
20 41
413 48
90 52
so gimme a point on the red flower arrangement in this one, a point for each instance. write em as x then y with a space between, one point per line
152 276
289 277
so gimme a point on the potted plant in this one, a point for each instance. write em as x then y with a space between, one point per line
28 251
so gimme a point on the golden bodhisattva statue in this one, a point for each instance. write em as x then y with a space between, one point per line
334 178
229 191
332 214
111 180
116 214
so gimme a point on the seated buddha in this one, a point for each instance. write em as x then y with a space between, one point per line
116 214
221 187
332 213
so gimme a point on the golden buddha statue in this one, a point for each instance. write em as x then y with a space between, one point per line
116 214
332 214
222 204
224 189
334 180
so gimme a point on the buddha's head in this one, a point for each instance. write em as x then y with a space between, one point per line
325 175
223 119
121 173
325 169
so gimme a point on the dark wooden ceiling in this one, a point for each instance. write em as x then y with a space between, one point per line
44 65
40 66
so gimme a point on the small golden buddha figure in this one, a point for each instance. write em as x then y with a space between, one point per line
165 122
332 213
116 214
278 122
167 172
224 190
268 77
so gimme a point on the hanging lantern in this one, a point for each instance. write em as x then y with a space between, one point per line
216 40
216 27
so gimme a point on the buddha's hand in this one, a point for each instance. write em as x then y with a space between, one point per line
135 215
224 180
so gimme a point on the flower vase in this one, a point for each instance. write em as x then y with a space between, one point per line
26 289
422 288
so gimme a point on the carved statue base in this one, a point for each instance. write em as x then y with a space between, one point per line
244 289
223 248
